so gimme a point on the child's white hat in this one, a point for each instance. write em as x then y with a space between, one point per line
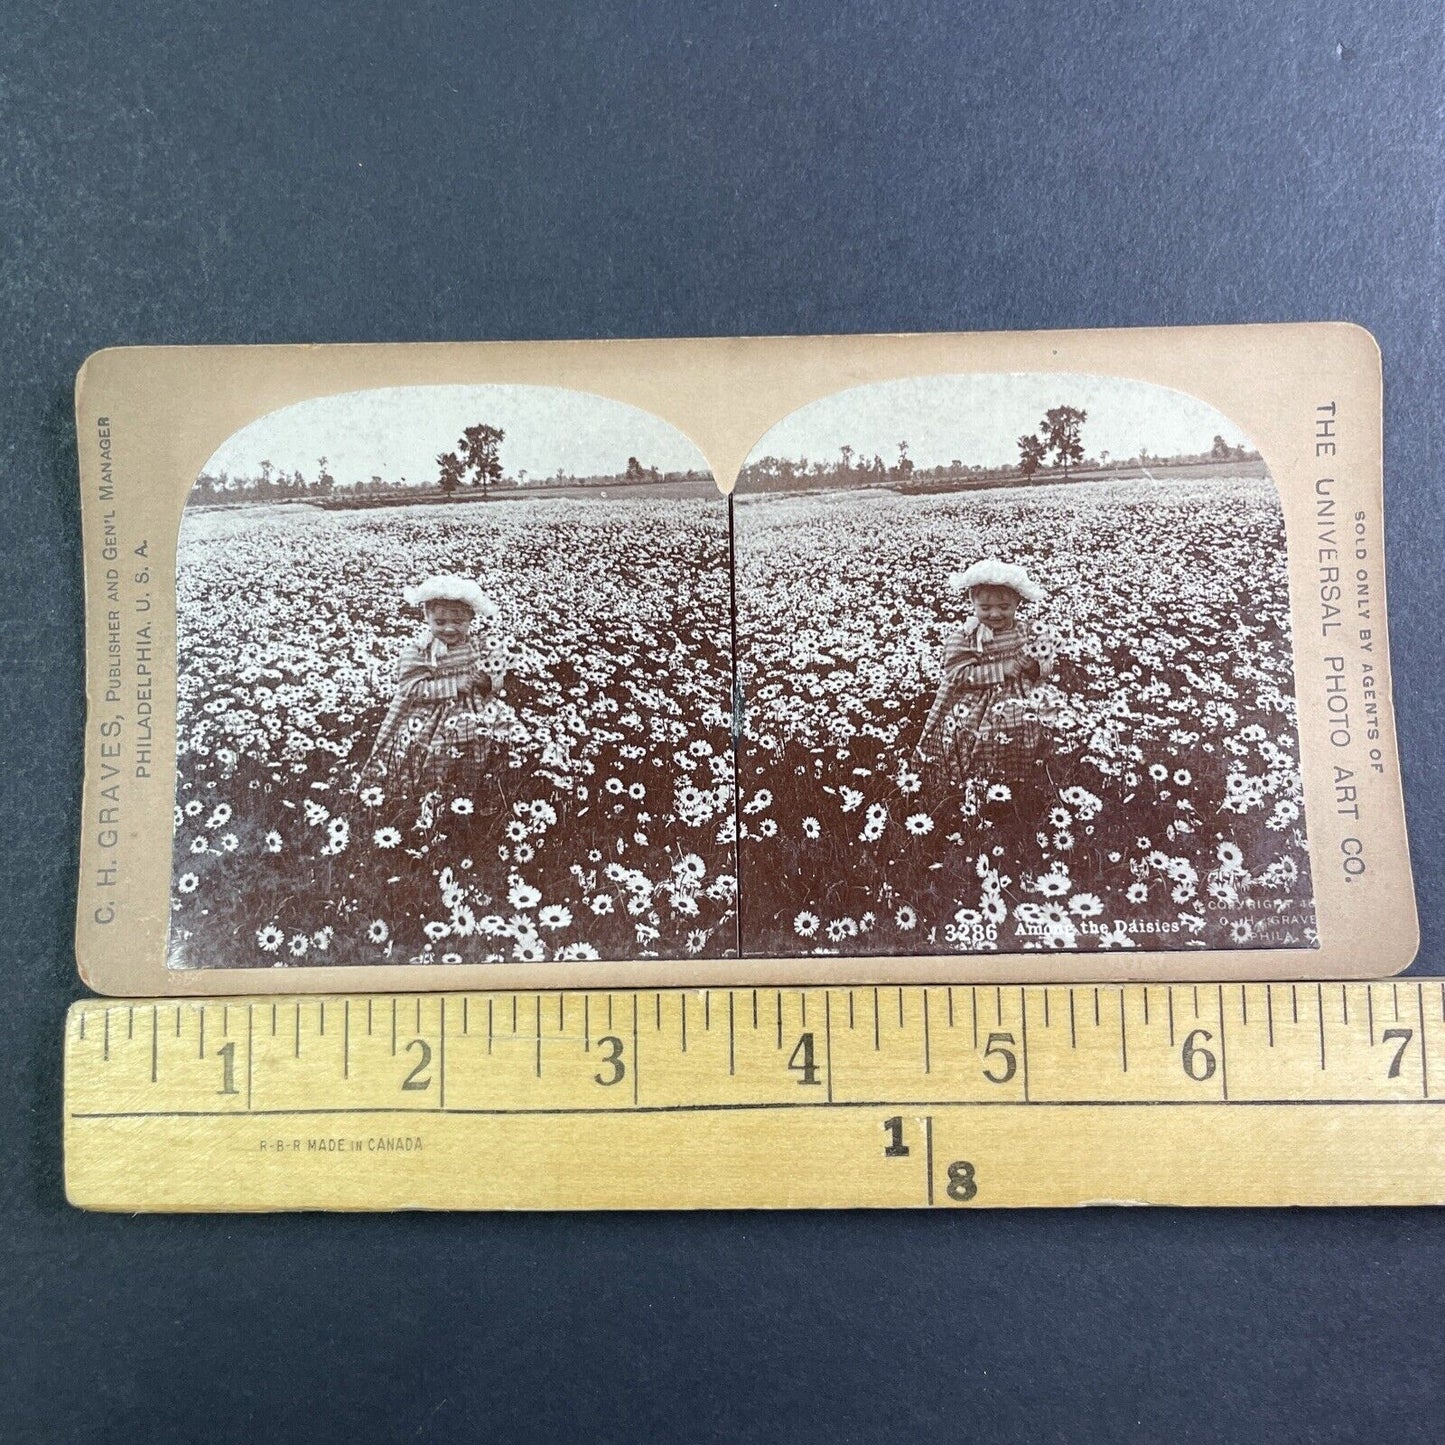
447 587
991 572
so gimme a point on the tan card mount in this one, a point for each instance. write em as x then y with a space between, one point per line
723 662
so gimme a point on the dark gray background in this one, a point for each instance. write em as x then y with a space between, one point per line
329 172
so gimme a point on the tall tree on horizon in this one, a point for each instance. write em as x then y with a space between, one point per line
1032 450
479 453
450 471
1060 431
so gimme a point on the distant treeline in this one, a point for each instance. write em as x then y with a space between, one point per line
851 468
272 484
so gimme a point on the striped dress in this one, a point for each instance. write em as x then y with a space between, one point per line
432 738
983 726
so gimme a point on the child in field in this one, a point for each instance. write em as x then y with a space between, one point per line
437 735
990 723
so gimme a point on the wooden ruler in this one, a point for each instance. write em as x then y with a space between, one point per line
956 1097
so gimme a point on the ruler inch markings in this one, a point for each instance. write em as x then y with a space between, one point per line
1024 1036
927 1046
828 1038
1223 1050
1123 1034
1424 1052
188 1131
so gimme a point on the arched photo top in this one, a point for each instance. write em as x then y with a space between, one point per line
1015 654
417 444
993 429
441 651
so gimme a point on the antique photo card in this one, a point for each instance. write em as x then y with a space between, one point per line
955 657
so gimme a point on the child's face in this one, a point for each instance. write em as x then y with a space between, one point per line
449 621
996 607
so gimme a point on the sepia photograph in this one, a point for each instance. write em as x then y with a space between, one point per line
1016 669
453 686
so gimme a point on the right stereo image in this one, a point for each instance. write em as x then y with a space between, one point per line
1014 672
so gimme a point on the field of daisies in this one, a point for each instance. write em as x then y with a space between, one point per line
620 828
614 833
1177 816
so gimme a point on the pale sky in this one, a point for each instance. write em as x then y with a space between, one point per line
396 432
979 419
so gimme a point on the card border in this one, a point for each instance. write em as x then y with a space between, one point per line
169 408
